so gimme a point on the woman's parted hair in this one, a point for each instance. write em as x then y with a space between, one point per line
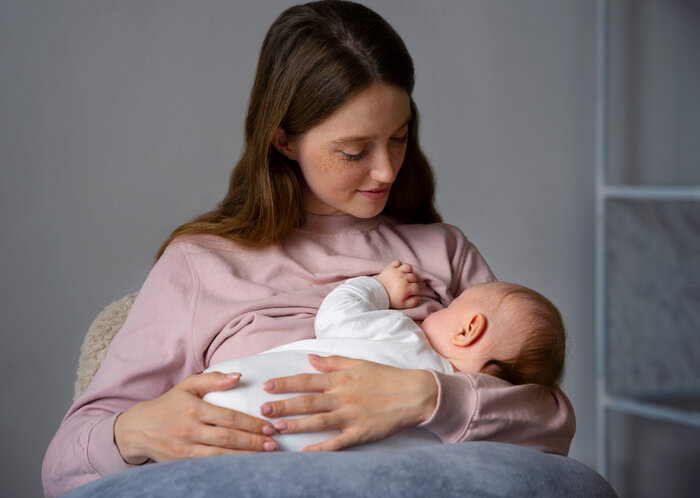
314 58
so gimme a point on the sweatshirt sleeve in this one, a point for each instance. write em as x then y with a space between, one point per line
468 265
150 354
473 407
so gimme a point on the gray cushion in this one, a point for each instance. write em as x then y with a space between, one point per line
463 469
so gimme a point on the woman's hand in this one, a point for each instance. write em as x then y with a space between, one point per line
179 424
366 401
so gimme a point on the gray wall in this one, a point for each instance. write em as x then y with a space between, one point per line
121 119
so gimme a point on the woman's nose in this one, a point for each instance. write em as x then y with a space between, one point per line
382 168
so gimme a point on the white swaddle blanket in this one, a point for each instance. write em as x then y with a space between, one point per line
353 321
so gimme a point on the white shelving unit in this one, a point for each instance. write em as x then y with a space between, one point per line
605 192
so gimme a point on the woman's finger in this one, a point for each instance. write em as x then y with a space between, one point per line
312 382
350 436
231 419
298 383
299 405
222 437
343 440
203 450
199 450
201 384
334 363
315 423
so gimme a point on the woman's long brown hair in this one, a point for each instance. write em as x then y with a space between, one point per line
314 58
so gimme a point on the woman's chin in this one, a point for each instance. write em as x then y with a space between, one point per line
365 213
366 209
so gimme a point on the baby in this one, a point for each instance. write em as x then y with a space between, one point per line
497 328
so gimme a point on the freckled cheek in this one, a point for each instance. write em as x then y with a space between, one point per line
335 173
325 164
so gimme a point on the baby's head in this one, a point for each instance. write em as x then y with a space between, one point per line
502 329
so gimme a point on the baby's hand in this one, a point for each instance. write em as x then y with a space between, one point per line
401 284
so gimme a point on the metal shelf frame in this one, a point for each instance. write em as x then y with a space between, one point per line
605 192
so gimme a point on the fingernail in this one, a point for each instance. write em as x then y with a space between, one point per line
314 356
266 409
233 375
268 430
269 446
269 385
281 426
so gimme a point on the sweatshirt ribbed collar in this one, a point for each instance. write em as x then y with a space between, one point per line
340 223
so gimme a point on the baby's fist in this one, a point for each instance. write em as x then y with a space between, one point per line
401 284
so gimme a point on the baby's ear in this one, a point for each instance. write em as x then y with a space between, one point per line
473 329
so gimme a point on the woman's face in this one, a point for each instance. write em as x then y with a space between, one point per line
350 159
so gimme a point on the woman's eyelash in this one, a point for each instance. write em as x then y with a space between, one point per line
354 157
400 140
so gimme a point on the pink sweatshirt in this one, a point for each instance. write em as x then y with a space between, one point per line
208 300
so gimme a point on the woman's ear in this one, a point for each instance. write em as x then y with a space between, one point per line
282 144
473 330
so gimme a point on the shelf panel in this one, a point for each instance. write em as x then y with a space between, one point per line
652 291
654 411
651 192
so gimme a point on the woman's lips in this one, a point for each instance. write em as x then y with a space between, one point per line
375 194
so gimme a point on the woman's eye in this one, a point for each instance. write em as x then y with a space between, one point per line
354 157
400 140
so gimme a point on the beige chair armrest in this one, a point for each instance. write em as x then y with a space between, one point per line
97 340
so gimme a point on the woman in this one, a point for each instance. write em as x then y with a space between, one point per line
332 184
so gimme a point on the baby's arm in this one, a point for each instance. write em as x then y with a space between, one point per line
359 308
400 284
